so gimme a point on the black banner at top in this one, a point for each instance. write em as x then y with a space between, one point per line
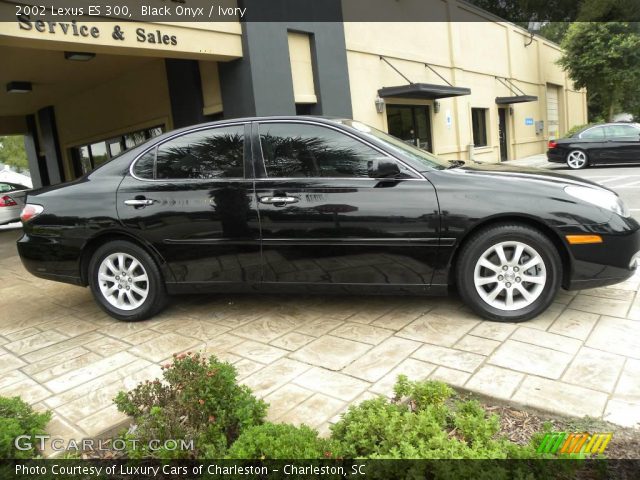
518 11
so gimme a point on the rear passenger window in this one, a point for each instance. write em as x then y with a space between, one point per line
617 131
143 168
206 154
596 133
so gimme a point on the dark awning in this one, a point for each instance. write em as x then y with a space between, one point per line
423 91
516 99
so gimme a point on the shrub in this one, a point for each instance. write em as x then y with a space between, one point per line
18 418
421 422
198 400
279 441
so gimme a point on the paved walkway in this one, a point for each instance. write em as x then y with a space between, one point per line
309 357
538 161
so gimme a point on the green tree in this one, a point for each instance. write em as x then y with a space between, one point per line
12 152
604 58
554 31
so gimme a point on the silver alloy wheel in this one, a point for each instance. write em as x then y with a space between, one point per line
577 159
510 275
123 281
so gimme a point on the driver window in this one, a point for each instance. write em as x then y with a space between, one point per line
292 150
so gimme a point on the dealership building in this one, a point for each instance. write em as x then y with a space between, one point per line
83 92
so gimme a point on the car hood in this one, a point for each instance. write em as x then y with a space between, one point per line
507 172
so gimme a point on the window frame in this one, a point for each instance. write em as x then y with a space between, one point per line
485 111
262 170
246 155
76 159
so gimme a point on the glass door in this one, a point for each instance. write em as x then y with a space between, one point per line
411 123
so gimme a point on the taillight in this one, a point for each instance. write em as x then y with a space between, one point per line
29 211
552 144
7 201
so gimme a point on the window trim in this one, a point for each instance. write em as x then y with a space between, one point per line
418 176
486 122
181 134
74 149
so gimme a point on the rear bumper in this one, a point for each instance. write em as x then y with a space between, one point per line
603 264
10 214
46 258
554 155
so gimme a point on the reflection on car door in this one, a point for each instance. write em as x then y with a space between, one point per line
338 212
623 144
190 199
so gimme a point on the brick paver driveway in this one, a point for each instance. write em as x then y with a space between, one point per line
309 357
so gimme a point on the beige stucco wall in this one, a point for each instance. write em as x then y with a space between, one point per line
469 54
136 100
135 97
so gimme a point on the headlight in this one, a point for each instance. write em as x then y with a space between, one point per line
599 197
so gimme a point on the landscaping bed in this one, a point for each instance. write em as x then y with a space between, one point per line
199 400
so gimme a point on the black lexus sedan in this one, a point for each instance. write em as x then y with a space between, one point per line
305 204
609 143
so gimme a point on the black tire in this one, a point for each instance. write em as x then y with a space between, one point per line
156 298
479 244
578 154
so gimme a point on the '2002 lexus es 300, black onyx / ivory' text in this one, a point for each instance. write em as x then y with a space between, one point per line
306 204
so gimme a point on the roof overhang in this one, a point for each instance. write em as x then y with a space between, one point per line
516 99
423 91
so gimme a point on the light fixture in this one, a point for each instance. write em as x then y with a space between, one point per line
511 111
436 106
379 104
79 56
18 87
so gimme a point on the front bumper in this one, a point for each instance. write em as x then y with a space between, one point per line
602 264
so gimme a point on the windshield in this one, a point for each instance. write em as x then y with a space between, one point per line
427 159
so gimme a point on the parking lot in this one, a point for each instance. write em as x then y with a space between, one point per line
623 180
310 357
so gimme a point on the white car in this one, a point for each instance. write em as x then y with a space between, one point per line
12 198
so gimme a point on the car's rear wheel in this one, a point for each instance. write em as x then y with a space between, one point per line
509 272
577 159
126 281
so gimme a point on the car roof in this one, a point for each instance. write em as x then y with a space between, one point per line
217 123
606 124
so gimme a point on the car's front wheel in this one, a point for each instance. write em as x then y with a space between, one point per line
126 281
577 159
509 272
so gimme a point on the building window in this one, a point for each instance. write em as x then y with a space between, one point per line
87 157
304 91
479 122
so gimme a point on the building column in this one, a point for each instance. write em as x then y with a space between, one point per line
37 169
260 83
50 146
185 92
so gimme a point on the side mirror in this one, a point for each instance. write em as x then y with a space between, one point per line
384 169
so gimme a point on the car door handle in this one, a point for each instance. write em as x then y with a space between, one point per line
278 200
139 202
